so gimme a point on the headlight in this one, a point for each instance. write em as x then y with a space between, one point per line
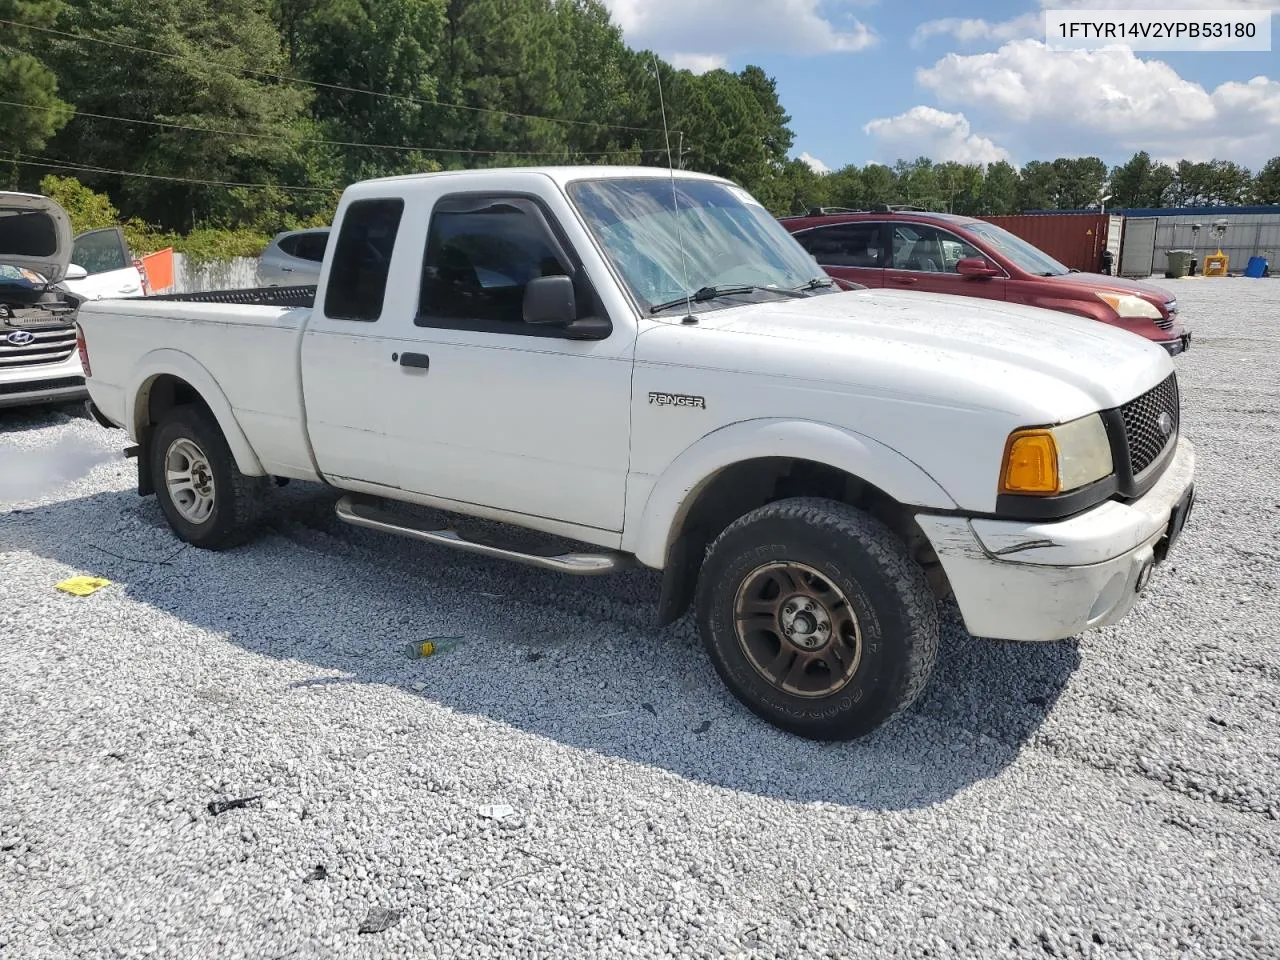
1130 307
1049 460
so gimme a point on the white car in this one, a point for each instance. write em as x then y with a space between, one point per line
810 469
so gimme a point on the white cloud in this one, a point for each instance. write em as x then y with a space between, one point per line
697 62
941 136
974 30
1158 5
1101 101
743 26
816 165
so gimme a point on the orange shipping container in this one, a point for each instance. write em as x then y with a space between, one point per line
1074 239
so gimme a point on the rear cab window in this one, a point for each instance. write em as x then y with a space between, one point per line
362 260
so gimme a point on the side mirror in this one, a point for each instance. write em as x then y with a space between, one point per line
76 272
550 301
976 268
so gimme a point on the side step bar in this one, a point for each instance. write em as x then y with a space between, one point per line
361 514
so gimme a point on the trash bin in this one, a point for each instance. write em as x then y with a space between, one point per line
1179 263
1257 267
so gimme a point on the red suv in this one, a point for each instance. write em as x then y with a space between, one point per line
945 253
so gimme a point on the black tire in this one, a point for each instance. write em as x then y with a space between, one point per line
843 548
236 498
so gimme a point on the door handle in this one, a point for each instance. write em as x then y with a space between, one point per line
903 280
419 360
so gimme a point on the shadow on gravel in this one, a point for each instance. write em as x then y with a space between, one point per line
573 660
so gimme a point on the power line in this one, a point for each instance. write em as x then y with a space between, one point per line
331 143
330 86
50 163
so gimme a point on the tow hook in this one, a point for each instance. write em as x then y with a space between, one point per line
1144 575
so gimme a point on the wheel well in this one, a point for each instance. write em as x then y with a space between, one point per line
157 398
742 487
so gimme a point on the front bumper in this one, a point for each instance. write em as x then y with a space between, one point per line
59 382
1177 345
1049 581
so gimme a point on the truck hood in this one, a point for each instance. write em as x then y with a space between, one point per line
990 351
35 234
1104 282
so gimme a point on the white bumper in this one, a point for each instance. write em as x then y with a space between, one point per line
1048 581
42 383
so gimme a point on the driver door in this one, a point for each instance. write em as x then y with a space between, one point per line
483 408
924 257
105 255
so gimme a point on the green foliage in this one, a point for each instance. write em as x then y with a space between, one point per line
1266 186
25 78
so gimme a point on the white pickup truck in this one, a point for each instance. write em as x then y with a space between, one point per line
648 365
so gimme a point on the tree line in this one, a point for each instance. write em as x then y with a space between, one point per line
254 114
1075 183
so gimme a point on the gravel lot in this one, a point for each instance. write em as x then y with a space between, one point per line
1112 797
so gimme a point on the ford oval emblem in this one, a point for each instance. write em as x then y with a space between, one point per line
1165 423
20 338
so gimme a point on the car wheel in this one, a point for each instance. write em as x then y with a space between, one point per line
208 502
817 618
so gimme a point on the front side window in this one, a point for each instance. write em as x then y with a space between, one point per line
1024 255
918 246
845 245
481 254
362 260
100 251
720 237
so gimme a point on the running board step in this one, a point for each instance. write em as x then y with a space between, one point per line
363 514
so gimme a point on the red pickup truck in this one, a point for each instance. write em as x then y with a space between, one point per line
946 253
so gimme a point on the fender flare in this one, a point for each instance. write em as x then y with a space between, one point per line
175 363
676 489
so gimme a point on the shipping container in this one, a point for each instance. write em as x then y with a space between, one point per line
1074 239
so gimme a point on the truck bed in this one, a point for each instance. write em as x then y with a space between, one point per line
241 345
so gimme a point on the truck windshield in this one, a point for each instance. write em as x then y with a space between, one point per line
1025 256
728 240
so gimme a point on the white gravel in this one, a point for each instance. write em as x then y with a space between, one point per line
1112 797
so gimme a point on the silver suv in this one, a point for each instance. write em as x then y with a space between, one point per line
293 257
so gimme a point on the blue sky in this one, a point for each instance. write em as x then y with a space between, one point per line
873 80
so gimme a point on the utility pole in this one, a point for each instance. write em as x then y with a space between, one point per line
680 151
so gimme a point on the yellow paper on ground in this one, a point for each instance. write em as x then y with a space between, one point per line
83 586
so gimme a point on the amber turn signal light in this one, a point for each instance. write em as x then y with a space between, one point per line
1030 463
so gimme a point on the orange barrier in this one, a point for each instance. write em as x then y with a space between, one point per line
158 268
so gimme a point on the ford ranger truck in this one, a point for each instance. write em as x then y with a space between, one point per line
645 366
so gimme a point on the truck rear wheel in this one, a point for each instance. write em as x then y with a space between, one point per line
817 618
208 502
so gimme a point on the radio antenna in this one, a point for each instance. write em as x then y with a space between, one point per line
675 201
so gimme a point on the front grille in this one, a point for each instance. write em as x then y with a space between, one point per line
39 386
1143 433
46 346
1171 308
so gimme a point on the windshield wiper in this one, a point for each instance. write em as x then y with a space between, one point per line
817 283
704 294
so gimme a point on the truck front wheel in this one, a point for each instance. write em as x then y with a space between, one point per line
817 618
208 502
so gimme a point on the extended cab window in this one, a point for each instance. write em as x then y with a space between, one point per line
481 254
845 245
918 246
361 260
